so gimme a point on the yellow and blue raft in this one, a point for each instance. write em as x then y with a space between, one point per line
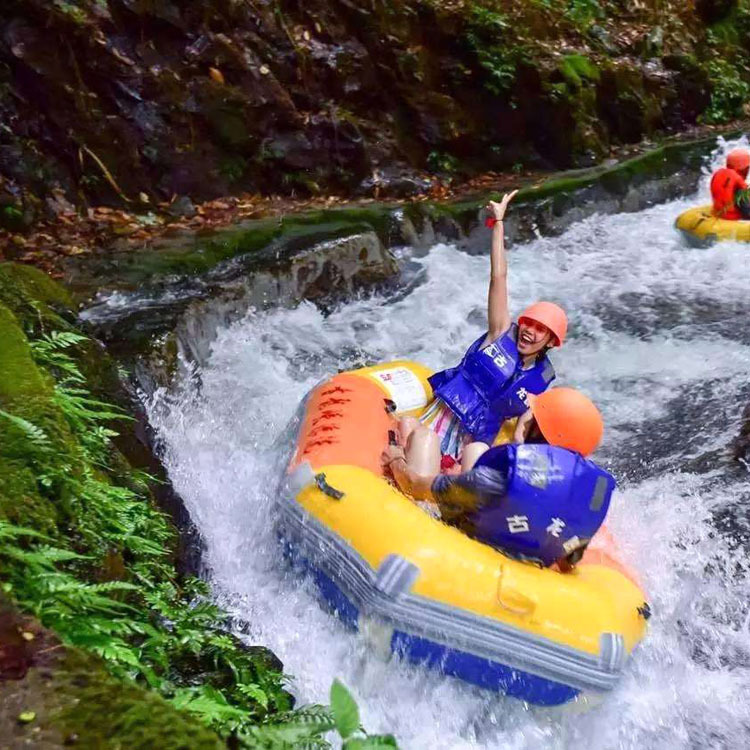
422 589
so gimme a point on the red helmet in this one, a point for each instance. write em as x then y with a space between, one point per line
550 315
738 160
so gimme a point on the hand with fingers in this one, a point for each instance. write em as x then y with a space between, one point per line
497 208
390 454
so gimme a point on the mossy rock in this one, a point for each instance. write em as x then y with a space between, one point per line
25 392
42 305
36 300
268 238
20 501
617 179
57 697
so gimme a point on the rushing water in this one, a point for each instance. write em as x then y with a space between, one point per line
658 338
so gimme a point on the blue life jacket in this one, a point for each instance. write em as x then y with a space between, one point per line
490 386
555 502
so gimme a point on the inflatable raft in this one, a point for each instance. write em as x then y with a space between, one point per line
700 227
423 590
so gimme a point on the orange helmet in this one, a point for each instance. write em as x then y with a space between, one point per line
567 418
550 315
738 160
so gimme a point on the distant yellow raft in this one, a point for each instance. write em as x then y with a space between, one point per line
700 227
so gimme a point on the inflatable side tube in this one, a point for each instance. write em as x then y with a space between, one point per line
384 595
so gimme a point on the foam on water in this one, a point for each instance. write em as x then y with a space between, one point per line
655 328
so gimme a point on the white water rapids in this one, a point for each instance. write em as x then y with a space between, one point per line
658 338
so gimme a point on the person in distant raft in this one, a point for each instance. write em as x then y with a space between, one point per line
729 190
540 501
490 385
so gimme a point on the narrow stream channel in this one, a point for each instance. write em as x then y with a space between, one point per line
659 338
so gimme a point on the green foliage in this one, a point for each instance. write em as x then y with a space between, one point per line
11 217
489 35
439 161
344 710
584 12
148 626
729 92
577 69
71 10
103 580
306 727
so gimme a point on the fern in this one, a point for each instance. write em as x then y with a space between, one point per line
304 728
36 436
150 628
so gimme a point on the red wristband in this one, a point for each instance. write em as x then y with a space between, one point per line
490 222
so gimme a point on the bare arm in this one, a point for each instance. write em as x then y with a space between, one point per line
455 495
522 427
498 315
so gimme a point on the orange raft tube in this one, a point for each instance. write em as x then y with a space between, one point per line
422 589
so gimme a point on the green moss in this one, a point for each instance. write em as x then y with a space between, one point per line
73 701
247 238
24 390
664 160
134 718
20 502
35 299
578 69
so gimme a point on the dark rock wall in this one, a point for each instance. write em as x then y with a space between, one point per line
140 100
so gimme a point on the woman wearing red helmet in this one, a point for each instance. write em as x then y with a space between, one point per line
729 190
494 378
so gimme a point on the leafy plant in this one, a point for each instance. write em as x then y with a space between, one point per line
584 12
306 727
148 626
729 92
438 161
488 35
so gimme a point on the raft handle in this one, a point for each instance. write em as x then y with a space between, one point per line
645 611
390 406
392 437
510 598
325 488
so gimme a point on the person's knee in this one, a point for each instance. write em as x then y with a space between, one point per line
406 428
423 451
471 454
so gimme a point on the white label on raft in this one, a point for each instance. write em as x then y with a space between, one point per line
404 387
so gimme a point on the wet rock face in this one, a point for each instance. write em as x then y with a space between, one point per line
712 11
105 101
194 308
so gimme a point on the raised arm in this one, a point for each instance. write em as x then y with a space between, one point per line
498 315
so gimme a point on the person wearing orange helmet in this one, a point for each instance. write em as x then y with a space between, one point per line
729 190
491 383
540 501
